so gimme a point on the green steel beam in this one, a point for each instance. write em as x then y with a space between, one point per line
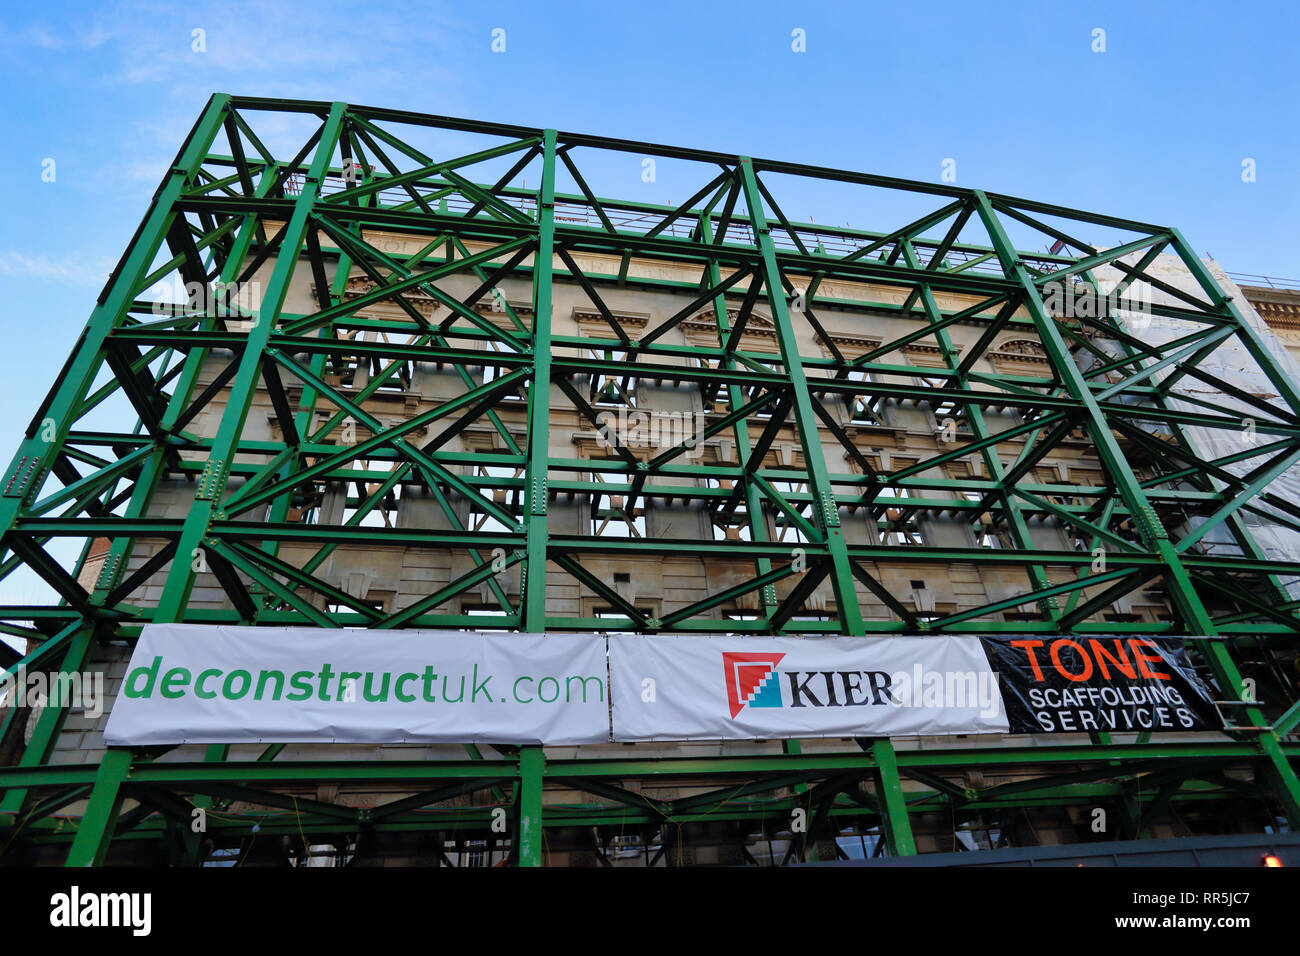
225 216
828 520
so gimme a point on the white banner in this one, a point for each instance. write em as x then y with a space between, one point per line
195 683
707 688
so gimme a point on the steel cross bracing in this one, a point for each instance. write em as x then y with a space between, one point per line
230 211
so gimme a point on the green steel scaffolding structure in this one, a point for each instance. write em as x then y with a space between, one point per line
228 209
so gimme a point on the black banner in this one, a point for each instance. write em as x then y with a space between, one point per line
1102 684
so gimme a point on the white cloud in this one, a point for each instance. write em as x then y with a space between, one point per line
292 48
71 270
253 43
68 34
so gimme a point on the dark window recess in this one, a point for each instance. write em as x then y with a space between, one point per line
622 577
918 585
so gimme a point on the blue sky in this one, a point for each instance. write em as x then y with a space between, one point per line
1155 128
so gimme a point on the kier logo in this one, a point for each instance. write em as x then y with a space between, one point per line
749 680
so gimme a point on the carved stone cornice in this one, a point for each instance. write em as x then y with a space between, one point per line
1022 351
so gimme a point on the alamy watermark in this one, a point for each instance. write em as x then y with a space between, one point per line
660 430
87 908
1130 305
232 300
85 692
922 687
1086 301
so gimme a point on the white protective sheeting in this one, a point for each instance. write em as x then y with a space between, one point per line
1232 362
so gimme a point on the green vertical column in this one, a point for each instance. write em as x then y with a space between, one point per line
52 716
97 823
1278 769
1154 535
531 759
993 466
899 831
211 484
740 431
308 399
32 461
96 830
539 397
532 762
893 804
100 819
898 827
828 516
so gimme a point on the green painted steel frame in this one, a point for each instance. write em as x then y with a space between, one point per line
219 215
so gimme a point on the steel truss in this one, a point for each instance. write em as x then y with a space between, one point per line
228 209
